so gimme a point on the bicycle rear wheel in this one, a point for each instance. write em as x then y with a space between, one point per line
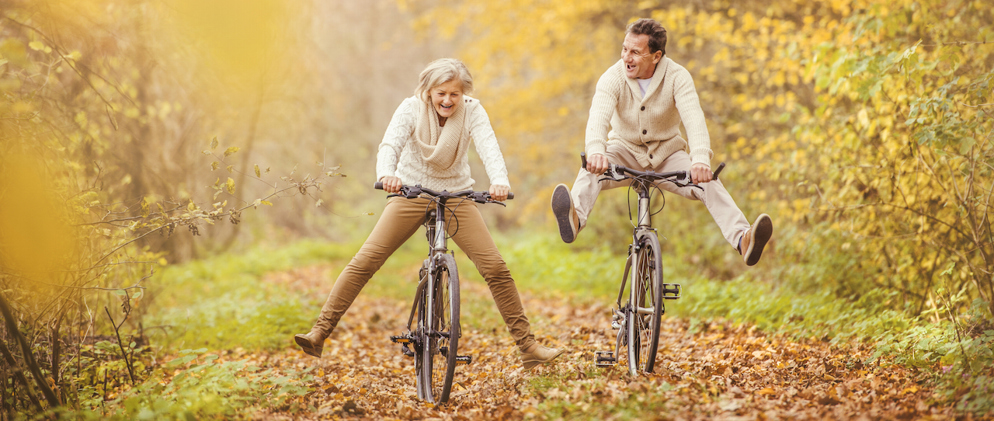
646 306
442 339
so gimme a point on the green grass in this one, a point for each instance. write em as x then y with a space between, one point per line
223 303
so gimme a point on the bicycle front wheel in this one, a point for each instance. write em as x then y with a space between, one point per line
442 340
646 306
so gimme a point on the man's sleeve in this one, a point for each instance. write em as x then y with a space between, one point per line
689 106
602 108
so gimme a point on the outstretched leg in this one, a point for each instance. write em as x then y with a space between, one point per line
572 208
473 238
401 218
749 240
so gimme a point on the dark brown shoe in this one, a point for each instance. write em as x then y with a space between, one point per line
562 207
755 239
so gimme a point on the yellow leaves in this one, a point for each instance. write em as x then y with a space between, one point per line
862 117
230 186
39 46
779 79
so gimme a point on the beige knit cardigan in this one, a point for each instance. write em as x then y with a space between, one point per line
649 126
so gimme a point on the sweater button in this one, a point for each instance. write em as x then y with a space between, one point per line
650 156
643 108
644 131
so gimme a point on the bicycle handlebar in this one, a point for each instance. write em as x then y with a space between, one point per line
413 192
680 178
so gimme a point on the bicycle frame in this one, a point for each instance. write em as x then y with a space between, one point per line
643 227
437 294
626 316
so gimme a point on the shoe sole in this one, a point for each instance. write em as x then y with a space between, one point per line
562 207
306 345
762 231
532 363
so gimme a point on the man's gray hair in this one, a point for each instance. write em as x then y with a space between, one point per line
441 71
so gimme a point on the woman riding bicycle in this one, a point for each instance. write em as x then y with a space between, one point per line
426 143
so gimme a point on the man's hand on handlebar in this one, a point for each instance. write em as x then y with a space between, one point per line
392 184
499 192
700 173
597 163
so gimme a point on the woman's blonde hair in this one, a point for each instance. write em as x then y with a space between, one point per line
441 71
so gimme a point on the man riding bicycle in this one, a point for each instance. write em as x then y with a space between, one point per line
642 100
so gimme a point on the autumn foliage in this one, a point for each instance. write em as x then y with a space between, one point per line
864 127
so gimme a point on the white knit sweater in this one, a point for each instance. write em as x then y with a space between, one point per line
649 126
398 156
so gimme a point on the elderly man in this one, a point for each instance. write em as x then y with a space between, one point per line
634 121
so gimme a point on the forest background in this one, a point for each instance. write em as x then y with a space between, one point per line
139 136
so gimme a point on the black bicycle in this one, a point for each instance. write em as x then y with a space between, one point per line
433 331
638 320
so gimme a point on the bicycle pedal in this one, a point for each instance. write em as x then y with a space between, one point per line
604 359
401 339
464 359
671 291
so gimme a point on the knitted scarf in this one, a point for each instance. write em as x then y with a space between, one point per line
440 146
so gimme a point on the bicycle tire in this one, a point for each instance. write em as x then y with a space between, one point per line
646 306
442 339
420 338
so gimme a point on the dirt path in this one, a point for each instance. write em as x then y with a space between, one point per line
719 371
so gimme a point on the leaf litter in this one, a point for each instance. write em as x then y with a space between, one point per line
705 370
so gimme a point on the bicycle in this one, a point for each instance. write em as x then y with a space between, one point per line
638 320
435 336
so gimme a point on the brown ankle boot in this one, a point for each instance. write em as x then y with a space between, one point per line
538 354
312 343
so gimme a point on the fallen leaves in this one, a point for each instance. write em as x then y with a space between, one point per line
718 370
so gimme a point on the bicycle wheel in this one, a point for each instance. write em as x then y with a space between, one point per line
646 306
420 339
442 339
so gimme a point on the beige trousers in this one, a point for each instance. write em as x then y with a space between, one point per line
726 214
400 220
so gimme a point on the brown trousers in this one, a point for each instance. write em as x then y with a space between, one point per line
400 220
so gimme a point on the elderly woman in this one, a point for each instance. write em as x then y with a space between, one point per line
426 143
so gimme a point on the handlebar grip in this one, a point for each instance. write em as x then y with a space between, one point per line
718 171
378 185
583 160
510 196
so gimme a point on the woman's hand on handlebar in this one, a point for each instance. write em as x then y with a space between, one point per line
597 163
392 184
700 173
499 192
